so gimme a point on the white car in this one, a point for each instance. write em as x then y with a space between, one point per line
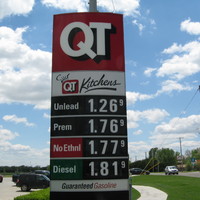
171 170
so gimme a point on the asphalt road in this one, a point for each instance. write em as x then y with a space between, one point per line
191 174
8 190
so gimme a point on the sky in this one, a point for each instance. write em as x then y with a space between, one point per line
162 59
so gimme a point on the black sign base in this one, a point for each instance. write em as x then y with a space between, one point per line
113 195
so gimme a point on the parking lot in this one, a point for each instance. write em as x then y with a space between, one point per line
8 190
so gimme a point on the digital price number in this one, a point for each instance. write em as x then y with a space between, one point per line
104 169
106 105
105 147
108 125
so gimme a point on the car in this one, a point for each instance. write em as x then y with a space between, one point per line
44 172
1 178
15 178
139 171
32 181
171 170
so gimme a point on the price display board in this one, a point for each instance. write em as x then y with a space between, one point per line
89 157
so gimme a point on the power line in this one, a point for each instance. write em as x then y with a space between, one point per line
186 107
113 5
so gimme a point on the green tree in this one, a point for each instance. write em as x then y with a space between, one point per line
196 153
166 157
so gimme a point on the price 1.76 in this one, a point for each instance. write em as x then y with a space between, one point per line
105 147
72 126
105 169
106 125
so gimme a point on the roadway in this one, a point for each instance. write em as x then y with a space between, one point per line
8 190
191 174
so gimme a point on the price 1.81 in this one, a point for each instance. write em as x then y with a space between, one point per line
105 147
105 169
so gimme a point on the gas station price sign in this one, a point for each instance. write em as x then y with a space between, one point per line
89 156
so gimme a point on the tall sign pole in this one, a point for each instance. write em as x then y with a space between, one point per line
92 5
89 157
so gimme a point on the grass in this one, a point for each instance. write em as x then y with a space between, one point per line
37 195
177 187
135 194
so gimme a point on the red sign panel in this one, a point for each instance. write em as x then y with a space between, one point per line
66 147
88 41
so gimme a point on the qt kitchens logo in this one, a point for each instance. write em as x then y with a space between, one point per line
86 85
93 44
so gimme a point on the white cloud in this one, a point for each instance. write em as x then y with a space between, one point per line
17 120
138 132
19 151
179 125
78 5
26 69
139 25
168 134
173 49
192 28
137 150
152 116
128 7
15 7
170 85
149 71
183 64
45 115
6 134
132 97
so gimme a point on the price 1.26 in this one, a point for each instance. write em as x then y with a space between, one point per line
107 105
105 169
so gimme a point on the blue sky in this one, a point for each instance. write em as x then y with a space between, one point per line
162 55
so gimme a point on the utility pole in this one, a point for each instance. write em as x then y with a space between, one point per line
93 6
181 152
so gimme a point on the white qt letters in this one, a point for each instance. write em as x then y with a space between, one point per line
85 47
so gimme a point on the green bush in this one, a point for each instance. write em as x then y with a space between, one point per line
188 166
37 195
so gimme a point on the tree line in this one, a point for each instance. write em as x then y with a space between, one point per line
158 159
21 169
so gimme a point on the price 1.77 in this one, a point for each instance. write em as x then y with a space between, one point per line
105 147
105 169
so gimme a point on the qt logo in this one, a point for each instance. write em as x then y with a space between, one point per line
94 44
70 86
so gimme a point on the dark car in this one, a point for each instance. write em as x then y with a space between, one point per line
138 171
1 178
32 181
15 178
44 172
